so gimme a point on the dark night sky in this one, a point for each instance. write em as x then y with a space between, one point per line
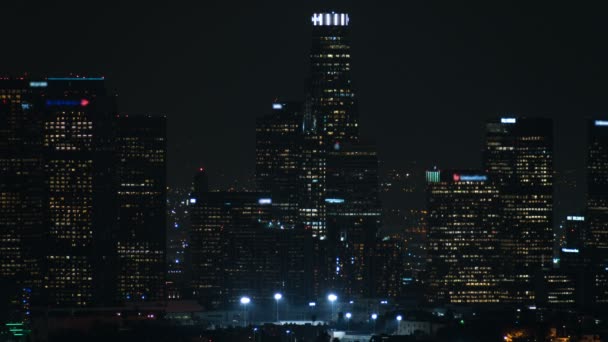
427 74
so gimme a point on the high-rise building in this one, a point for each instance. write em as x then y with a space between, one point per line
22 190
330 114
278 159
80 171
265 258
212 214
575 229
178 242
597 184
353 217
331 91
463 231
141 149
596 239
518 157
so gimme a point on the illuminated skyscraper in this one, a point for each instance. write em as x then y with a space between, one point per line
331 92
463 227
597 185
212 215
518 157
141 149
330 115
353 217
278 159
80 170
22 193
596 239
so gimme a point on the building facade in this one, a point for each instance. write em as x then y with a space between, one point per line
141 150
463 238
518 157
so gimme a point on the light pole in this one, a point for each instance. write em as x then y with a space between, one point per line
348 316
374 318
399 318
245 301
332 298
277 298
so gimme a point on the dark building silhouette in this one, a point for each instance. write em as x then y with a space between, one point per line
178 242
265 258
518 158
22 192
79 138
463 238
596 238
278 159
141 149
353 217
212 214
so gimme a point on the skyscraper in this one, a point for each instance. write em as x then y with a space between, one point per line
331 91
212 215
518 158
597 185
79 140
463 231
22 187
353 217
141 149
278 159
596 238
330 115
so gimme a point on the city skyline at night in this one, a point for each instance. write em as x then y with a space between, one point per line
307 172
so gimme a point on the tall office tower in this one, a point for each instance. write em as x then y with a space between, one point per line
353 217
200 185
329 113
596 239
266 258
22 194
178 241
211 215
278 159
518 157
331 91
80 170
463 226
575 230
141 149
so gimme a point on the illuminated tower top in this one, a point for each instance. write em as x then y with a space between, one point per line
332 97
330 19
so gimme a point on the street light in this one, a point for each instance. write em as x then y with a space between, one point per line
245 301
399 318
332 298
374 318
277 297
348 316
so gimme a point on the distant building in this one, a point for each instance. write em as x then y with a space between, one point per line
79 139
141 148
212 214
266 258
596 239
178 242
518 157
463 232
278 159
23 202
353 218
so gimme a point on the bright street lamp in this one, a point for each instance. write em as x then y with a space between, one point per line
245 301
332 298
399 318
348 316
374 318
277 297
